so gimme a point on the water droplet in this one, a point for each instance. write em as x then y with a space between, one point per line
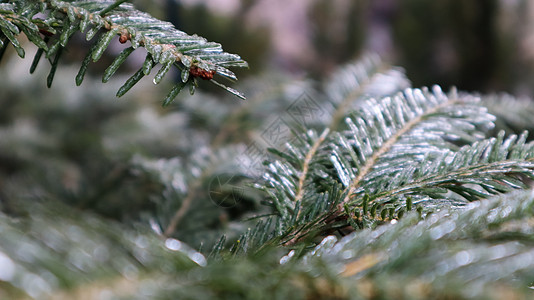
199 259
287 257
463 258
173 244
7 268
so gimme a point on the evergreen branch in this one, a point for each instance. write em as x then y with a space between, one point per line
495 164
451 251
386 139
193 56
290 180
386 136
391 144
485 168
388 144
497 177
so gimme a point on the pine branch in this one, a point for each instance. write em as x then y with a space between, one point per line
193 56
417 150
496 165
389 143
454 252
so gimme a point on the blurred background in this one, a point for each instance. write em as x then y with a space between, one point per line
475 45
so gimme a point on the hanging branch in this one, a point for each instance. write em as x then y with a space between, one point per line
193 56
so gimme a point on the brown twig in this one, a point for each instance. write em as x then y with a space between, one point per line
306 166
180 213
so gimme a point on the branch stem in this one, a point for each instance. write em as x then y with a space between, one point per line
306 165
180 213
386 146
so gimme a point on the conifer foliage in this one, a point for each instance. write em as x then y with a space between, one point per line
51 24
386 192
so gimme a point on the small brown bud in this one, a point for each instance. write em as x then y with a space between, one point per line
124 38
204 74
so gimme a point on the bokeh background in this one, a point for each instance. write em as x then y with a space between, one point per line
481 46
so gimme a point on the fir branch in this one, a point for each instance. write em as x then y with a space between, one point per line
453 248
400 153
303 162
496 165
193 56
386 146
390 133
